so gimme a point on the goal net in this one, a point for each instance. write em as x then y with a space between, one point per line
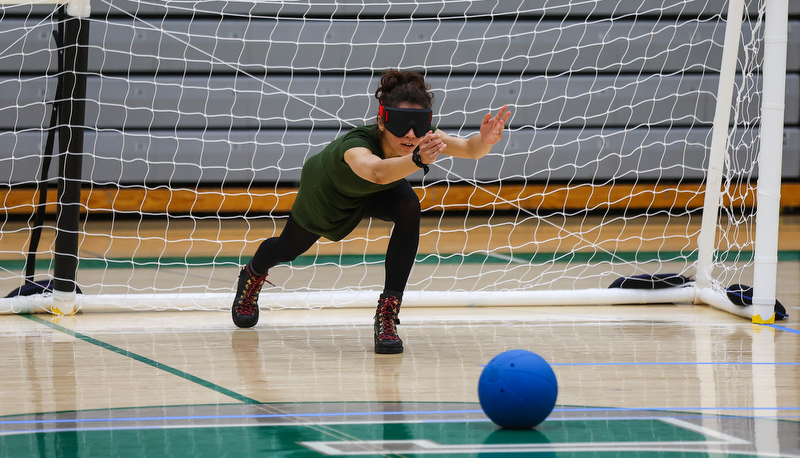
198 116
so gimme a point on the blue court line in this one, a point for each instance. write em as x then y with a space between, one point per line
469 420
654 417
150 427
228 417
783 328
377 413
679 363
662 409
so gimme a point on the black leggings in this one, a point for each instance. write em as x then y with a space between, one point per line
399 205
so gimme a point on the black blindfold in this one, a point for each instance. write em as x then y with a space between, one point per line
399 121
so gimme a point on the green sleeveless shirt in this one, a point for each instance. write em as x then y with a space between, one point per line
332 199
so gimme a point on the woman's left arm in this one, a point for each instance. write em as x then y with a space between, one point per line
479 144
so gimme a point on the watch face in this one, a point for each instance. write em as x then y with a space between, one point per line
398 121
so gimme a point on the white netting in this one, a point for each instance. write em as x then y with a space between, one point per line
200 115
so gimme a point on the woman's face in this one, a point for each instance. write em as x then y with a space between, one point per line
393 145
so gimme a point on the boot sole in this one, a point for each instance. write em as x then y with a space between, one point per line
388 351
245 325
244 322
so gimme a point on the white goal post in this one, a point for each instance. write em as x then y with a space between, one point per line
638 134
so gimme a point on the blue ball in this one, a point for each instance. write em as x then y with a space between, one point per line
517 389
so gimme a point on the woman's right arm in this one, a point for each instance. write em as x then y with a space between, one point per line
376 170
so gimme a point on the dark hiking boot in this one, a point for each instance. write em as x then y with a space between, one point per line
386 339
245 306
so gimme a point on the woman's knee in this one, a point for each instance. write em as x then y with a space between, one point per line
408 211
399 205
412 207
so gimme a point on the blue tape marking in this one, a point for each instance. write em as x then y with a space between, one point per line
679 363
782 328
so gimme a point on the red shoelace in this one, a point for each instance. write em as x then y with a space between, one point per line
387 318
247 307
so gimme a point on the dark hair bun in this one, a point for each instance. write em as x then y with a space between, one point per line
398 86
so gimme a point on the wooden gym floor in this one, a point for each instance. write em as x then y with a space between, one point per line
654 380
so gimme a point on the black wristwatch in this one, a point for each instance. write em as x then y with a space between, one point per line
418 161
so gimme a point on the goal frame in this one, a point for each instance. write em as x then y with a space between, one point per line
65 299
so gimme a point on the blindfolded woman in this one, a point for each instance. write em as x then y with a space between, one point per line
360 174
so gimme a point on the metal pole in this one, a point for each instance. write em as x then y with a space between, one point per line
71 117
770 161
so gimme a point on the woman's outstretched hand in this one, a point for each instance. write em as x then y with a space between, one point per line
492 127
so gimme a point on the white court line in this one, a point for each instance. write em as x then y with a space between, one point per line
420 446
705 431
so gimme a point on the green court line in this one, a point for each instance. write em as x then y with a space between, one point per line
144 359
429 258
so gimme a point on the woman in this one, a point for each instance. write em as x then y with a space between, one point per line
363 174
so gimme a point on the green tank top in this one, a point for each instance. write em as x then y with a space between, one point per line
332 199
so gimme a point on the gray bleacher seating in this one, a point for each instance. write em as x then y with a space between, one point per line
289 94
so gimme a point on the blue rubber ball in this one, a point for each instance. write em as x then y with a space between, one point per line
517 389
